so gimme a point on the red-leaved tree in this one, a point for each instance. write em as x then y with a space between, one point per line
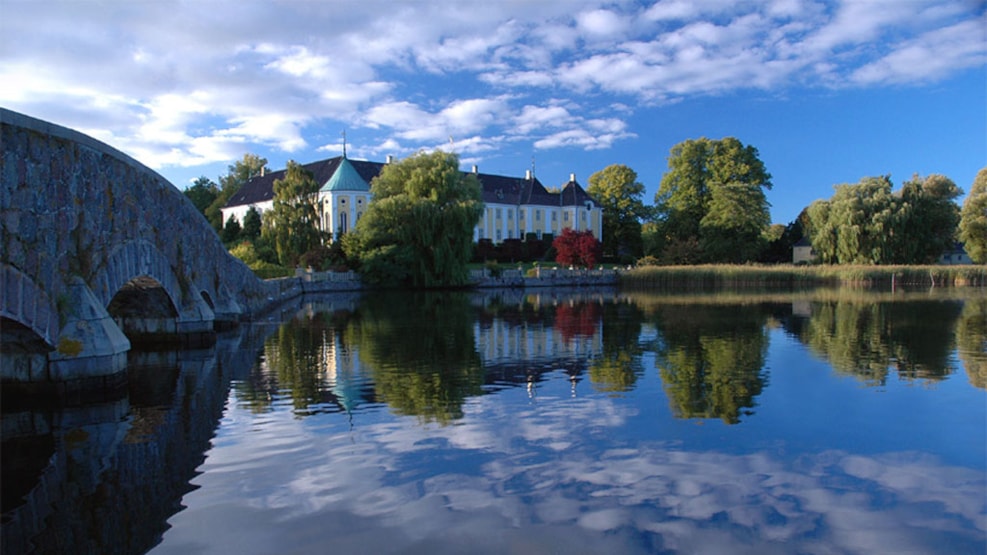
577 248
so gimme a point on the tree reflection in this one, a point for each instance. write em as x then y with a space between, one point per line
711 359
866 339
619 365
421 352
577 319
299 359
971 340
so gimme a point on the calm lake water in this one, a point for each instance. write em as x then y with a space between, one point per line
537 422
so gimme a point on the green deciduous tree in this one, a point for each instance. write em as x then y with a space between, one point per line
866 223
856 226
928 216
620 194
973 219
712 196
202 193
418 229
239 173
251 224
291 223
231 231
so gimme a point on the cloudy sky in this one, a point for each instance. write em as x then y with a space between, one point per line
828 90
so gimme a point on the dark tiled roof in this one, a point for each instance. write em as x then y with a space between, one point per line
497 189
261 188
501 189
574 195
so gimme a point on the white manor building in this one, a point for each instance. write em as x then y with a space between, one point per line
514 206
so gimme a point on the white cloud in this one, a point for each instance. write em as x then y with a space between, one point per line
931 56
602 23
182 84
299 62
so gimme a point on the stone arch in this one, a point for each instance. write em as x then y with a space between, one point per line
132 260
144 311
22 301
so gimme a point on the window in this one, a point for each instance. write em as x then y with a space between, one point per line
565 217
555 216
522 215
498 213
498 235
584 216
510 214
342 222
537 215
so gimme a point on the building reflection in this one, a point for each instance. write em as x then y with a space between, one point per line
424 354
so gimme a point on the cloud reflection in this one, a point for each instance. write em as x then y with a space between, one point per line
535 481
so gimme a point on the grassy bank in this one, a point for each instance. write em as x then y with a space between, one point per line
795 277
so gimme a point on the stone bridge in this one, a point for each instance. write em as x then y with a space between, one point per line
85 231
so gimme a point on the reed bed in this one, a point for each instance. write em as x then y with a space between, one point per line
790 277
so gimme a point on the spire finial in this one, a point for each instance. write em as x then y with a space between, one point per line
344 143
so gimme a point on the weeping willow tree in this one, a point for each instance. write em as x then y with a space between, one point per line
291 223
418 229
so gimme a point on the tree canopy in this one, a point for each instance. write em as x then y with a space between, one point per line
202 193
973 219
928 219
867 223
712 198
418 228
251 224
620 194
291 222
577 248
239 173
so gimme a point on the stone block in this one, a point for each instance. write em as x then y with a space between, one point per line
13 281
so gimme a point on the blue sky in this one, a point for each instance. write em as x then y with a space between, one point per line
828 91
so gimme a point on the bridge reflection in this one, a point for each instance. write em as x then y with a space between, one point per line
105 477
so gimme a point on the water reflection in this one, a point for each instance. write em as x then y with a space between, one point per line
868 339
619 365
517 421
711 358
425 354
561 475
971 338
105 477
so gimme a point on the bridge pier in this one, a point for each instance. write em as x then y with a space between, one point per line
89 344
